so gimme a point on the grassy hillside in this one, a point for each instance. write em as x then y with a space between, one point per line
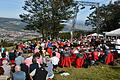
101 72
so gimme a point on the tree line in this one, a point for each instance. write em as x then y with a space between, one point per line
45 16
109 17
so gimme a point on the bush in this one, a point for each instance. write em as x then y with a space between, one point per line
6 44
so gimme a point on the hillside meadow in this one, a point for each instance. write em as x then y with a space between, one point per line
100 72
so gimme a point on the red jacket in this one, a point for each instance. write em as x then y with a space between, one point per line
109 58
49 50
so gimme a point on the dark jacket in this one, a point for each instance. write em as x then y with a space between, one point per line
40 74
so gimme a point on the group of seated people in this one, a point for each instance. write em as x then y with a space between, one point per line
38 60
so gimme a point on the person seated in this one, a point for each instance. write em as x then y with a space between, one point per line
19 59
65 60
79 60
6 68
2 76
49 68
55 61
19 75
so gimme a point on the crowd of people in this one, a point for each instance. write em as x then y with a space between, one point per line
37 60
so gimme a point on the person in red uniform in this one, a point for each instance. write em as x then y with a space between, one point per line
109 58
65 60
49 50
102 56
95 55
21 46
79 60
73 54
61 44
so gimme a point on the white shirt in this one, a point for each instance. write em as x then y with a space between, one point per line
55 60
76 51
43 45
7 69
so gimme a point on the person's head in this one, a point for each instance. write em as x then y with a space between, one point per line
34 60
56 50
1 71
4 62
54 54
48 59
17 68
36 55
20 53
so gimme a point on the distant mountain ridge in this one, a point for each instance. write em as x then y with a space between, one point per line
11 24
79 25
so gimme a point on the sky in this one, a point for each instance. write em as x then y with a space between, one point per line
82 15
12 8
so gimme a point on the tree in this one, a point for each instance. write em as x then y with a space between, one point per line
109 17
45 16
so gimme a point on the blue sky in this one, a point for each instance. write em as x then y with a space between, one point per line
85 12
12 8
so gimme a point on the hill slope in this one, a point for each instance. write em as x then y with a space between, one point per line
11 24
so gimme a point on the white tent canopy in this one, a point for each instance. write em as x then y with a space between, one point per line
95 34
113 33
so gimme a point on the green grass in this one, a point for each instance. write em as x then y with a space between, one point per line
101 72
9 48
